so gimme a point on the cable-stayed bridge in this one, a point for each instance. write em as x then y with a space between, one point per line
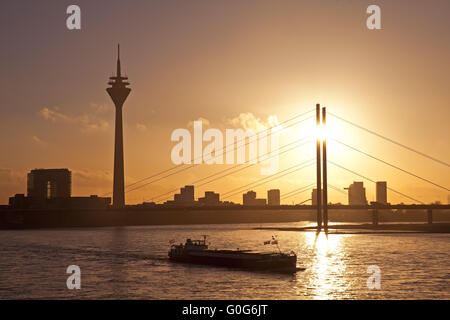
321 162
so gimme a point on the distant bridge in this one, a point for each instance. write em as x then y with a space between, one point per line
373 208
321 183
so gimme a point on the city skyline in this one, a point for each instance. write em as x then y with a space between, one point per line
67 120
48 184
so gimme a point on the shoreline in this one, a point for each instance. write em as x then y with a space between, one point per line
373 229
43 219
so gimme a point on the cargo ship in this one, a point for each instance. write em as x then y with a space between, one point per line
197 252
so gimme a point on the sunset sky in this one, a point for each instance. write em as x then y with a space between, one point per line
234 64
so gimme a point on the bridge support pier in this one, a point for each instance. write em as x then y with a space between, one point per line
375 217
430 216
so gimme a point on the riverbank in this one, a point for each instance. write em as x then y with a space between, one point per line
38 219
370 228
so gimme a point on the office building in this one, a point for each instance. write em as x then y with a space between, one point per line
184 198
249 199
314 196
49 184
357 194
273 197
381 192
51 189
210 199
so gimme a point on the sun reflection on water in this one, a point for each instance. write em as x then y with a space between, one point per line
326 278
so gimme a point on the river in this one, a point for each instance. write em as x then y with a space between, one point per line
131 263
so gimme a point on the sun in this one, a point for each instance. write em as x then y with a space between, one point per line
321 132
317 132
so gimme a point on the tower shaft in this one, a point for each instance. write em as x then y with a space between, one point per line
119 179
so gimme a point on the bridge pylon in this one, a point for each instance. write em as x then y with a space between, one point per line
319 180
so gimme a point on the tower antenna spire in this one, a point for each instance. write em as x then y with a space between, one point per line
118 60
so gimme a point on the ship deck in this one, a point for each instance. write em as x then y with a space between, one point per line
237 253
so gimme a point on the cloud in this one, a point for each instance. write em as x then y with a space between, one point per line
141 127
205 122
249 121
11 182
100 108
87 122
53 115
87 182
8 176
38 141
86 177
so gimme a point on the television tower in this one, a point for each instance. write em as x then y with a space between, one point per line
118 93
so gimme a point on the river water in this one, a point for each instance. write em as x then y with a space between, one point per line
131 263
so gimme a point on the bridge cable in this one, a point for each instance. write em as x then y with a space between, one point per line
296 191
215 156
310 162
390 140
273 177
236 166
389 164
393 190
336 189
265 178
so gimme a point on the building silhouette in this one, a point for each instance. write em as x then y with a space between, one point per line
273 197
118 93
187 195
381 192
357 194
51 189
249 199
184 198
19 201
314 196
210 199
45 184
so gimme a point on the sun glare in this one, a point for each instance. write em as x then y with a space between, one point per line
321 132
317 132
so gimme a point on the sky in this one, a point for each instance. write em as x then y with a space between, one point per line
234 64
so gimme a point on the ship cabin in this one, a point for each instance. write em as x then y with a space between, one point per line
196 244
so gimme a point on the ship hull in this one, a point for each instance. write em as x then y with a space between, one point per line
251 261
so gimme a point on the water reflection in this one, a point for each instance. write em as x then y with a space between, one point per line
119 270
327 267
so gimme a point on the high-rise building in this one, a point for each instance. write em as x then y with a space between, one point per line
314 196
184 198
357 194
249 199
210 199
381 192
273 197
187 194
51 189
45 184
118 93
